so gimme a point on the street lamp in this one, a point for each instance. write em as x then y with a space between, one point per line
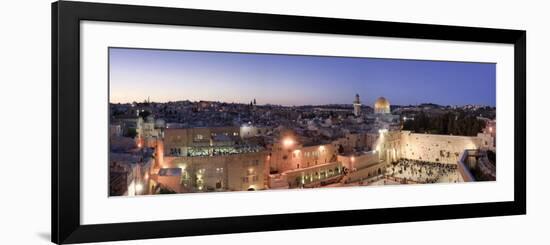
139 188
288 142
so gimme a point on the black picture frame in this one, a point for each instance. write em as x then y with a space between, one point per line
65 200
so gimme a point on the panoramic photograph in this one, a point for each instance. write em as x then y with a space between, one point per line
183 121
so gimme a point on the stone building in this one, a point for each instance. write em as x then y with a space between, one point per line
249 130
235 172
212 159
363 165
357 106
285 156
199 141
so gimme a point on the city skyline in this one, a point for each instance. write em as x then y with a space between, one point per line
294 80
209 147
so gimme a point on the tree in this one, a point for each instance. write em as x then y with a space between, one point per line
130 132
449 123
340 149
144 114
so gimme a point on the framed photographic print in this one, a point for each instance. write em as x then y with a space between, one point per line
176 122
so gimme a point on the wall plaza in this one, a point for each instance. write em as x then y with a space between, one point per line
250 157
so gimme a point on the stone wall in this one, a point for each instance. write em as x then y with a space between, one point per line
436 148
359 161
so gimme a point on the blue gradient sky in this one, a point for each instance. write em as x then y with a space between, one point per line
167 75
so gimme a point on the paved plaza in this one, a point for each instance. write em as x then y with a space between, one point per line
423 172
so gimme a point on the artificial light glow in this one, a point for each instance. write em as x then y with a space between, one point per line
288 142
322 148
353 159
139 188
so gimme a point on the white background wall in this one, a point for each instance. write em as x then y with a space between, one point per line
25 120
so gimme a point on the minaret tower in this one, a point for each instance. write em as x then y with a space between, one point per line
357 106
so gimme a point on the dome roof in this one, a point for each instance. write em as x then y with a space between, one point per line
382 105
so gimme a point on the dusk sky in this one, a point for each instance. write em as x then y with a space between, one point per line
167 75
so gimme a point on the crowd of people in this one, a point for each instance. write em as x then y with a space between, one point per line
423 172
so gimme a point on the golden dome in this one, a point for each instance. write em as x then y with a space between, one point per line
382 105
